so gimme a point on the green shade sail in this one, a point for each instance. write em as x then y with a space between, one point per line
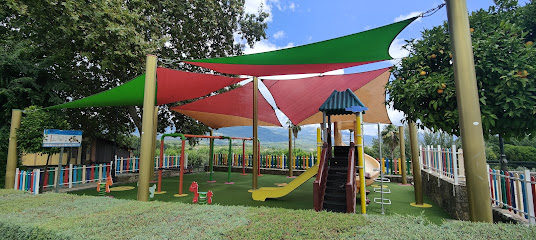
173 86
128 94
351 50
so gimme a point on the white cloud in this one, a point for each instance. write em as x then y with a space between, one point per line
368 27
409 15
292 6
252 7
309 38
397 51
395 115
265 46
279 34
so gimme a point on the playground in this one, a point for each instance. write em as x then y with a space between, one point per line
394 185
301 198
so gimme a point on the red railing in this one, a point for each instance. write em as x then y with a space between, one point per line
319 185
350 181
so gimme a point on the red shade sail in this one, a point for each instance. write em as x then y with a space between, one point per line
300 99
172 86
175 86
229 109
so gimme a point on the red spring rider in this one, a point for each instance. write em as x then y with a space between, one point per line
200 197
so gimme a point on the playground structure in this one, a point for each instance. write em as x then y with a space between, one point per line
339 170
182 157
200 197
104 187
463 67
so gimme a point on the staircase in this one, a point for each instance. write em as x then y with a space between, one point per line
335 194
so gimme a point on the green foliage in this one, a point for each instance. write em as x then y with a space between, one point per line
390 138
520 153
197 159
440 138
424 86
169 220
33 123
71 49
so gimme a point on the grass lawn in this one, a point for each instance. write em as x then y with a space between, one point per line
301 198
68 216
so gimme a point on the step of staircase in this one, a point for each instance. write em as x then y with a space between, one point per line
334 206
335 197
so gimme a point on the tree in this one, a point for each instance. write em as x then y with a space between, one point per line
32 125
505 68
91 47
55 51
390 138
295 129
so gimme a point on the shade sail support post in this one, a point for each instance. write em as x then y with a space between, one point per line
255 132
474 154
148 133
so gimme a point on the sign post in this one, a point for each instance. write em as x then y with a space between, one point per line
61 138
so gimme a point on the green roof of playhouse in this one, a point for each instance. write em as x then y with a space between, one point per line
338 102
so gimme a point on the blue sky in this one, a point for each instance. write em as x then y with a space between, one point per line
299 22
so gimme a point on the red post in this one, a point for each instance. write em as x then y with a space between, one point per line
508 196
160 165
128 164
92 173
66 176
182 167
31 181
45 180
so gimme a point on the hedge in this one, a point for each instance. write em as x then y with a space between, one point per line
64 216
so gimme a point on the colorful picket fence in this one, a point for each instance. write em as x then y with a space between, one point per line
394 166
131 165
69 176
445 162
266 161
515 191
28 180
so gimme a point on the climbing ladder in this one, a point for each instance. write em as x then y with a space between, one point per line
382 200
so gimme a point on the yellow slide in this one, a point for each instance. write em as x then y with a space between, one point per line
262 194
371 167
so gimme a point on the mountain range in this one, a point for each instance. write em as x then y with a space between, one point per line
278 137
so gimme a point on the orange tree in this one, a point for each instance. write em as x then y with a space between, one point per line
505 59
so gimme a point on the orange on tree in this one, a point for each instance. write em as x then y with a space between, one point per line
443 86
433 56
423 73
439 91
529 43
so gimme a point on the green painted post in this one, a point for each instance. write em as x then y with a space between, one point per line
211 158
229 160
